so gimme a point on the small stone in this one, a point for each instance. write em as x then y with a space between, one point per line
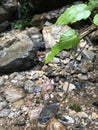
88 54
82 43
54 124
29 86
83 69
47 112
94 115
92 76
1 81
18 103
37 89
46 96
67 119
14 113
56 60
79 58
13 94
72 113
82 115
68 86
4 113
3 103
34 114
39 82
35 76
20 121
82 77
47 88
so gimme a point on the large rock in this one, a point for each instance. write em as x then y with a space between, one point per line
8 12
18 51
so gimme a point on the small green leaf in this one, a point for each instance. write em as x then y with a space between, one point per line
73 14
95 20
68 40
92 4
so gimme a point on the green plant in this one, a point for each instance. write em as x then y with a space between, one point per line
76 107
21 24
70 39
26 11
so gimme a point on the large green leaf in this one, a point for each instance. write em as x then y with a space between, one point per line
73 14
68 40
95 20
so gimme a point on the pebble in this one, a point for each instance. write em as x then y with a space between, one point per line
47 88
37 89
13 94
29 86
1 81
68 86
82 77
94 115
3 103
54 124
82 115
34 113
4 113
35 76
47 112
18 103
14 113
67 119
88 54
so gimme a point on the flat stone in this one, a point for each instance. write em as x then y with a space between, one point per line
34 113
82 77
82 114
47 112
88 54
13 94
67 119
4 112
3 103
68 86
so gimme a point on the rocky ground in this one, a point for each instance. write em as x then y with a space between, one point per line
62 95
28 99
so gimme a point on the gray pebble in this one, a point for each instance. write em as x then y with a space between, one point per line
4 112
37 89
29 86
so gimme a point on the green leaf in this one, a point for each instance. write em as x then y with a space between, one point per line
73 14
68 40
92 4
95 20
